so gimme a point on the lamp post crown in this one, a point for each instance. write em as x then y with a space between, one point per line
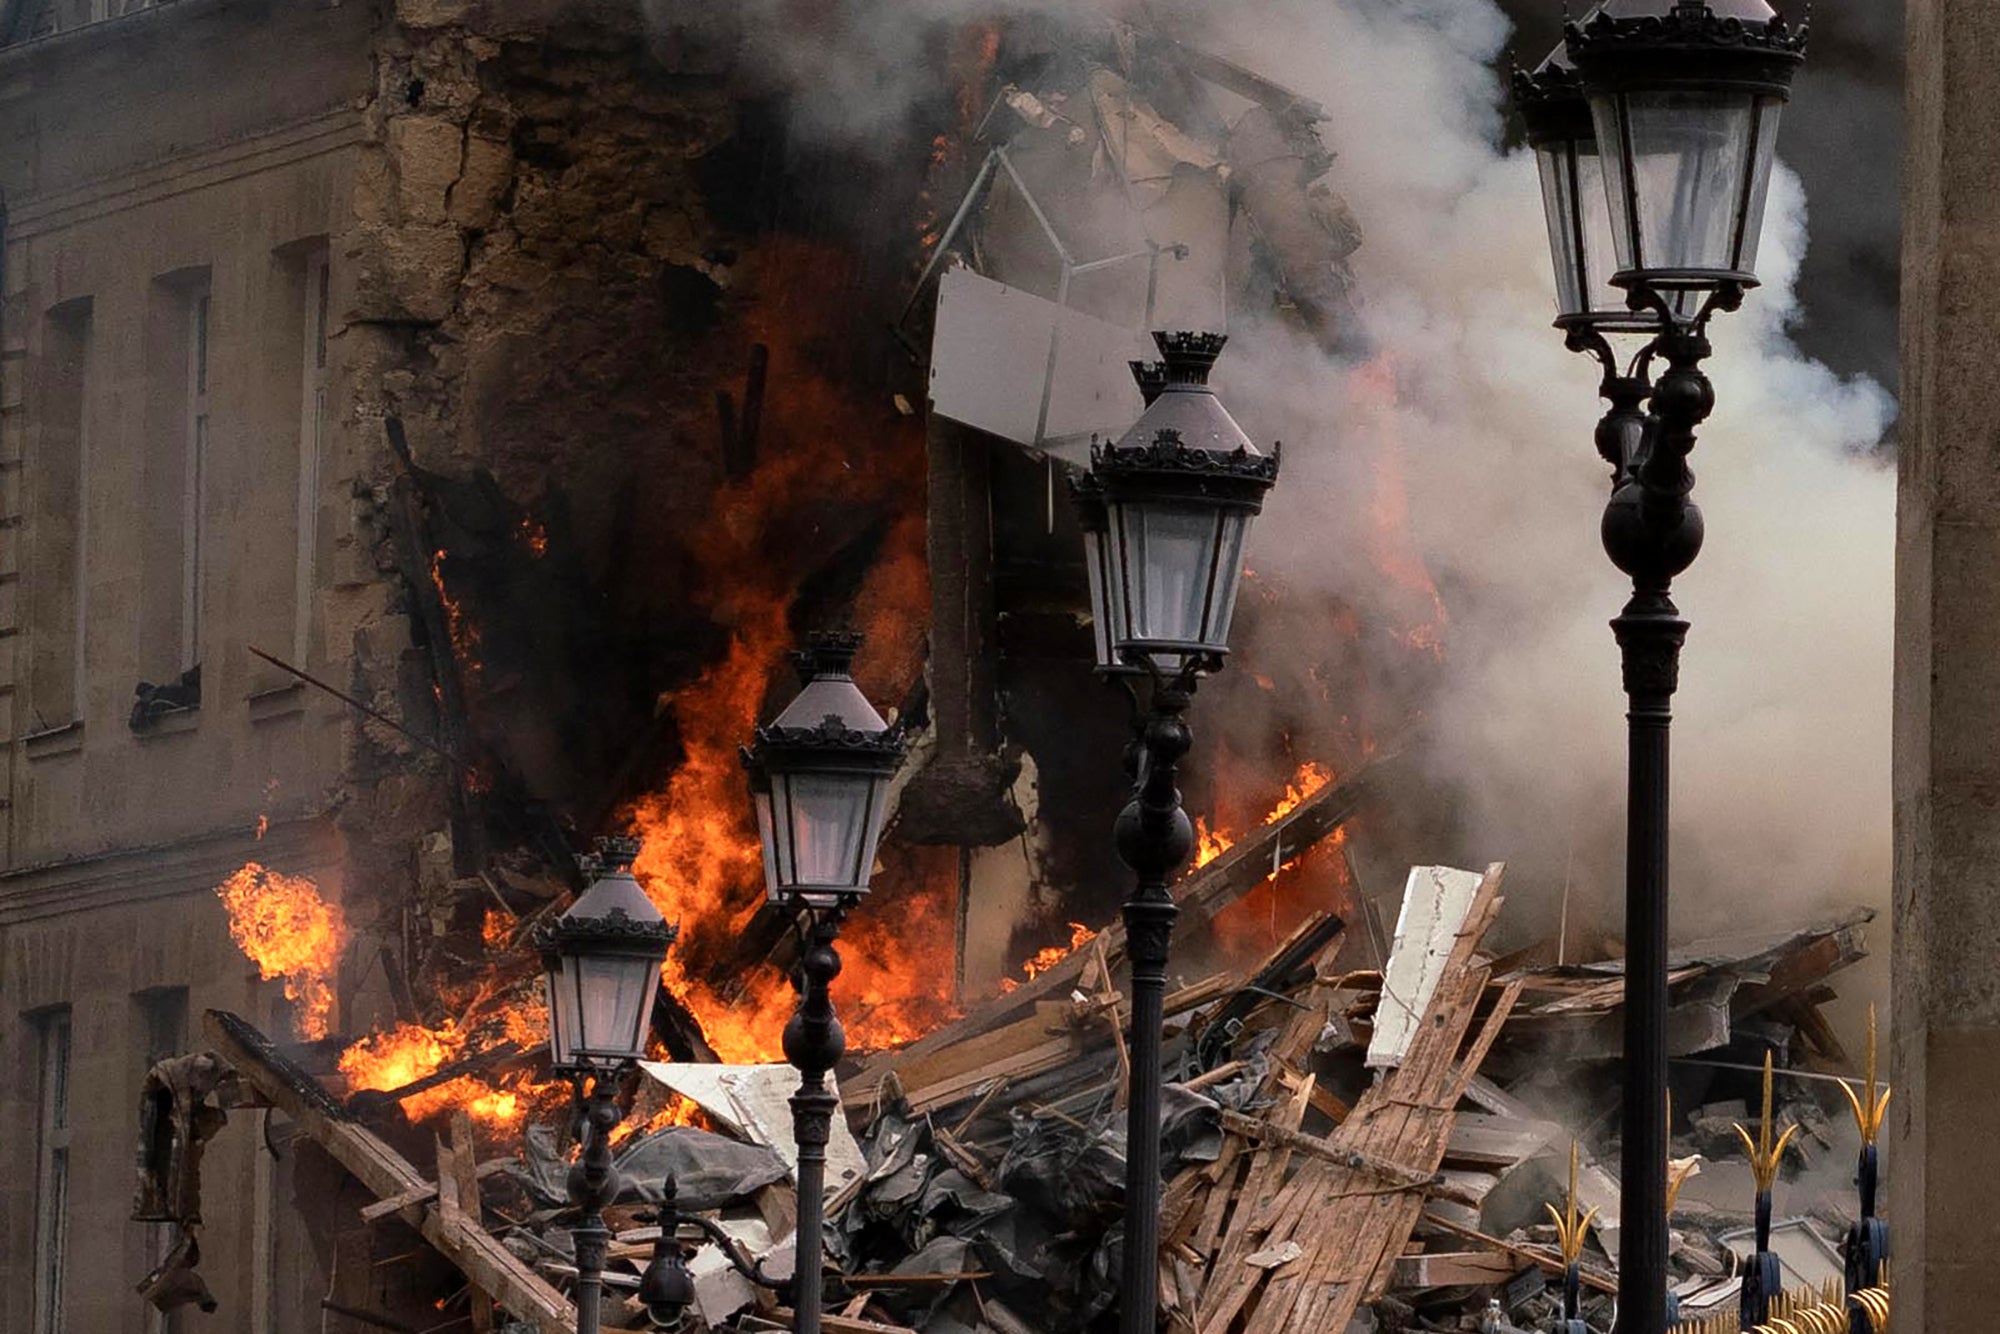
1152 378
1689 41
1178 397
1189 356
827 655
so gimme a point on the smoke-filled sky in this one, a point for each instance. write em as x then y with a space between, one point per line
1782 742
1781 783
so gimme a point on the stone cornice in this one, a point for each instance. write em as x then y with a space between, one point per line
197 863
30 215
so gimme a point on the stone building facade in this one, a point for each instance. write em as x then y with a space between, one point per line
236 239
171 454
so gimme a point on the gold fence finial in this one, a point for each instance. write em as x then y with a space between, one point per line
1569 1227
1764 1154
1870 1107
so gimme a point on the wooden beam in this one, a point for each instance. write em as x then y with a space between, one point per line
476 1252
464 1178
1202 895
1454 1269
1547 1260
423 1194
1349 1225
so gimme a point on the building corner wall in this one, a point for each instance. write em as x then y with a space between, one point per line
1943 1154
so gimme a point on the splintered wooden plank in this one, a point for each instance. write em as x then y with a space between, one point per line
1349 1224
465 1187
395 1204
1454 1269
476 1252
1436 900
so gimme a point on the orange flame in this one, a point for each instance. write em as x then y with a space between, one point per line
284 926
464 632
407 1053
699 858
1208 845
1048 957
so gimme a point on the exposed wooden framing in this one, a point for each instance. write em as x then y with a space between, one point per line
395 1204
1202 895
478 1255
1348 1223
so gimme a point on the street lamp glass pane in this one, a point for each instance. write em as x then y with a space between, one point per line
1557 164
614 991
1765 154
767 838
564 1009
1173 560
1579 222
1675 184
1102 617
1235 526
828 815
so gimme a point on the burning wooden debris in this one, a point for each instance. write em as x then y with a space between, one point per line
1349 1143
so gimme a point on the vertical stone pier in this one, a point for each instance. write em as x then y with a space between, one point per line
1943 1155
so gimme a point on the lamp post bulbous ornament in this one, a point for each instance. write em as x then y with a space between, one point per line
1165 512
1653 127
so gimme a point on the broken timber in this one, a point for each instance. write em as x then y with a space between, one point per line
1214 887
458 1237
1348 1224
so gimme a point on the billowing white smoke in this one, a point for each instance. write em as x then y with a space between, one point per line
1782 745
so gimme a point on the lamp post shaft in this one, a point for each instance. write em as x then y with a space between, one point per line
814 1043
1154 839
1650 635
1653 532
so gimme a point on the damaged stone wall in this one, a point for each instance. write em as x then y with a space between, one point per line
562 248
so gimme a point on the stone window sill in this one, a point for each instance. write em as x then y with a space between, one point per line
170 724
286 701
63 739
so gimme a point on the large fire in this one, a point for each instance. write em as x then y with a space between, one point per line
826 459
285 926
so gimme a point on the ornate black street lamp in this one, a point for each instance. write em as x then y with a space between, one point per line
819 775
1165 511
603 960
1682 100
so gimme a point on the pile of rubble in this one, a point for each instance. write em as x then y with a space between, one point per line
1343 1149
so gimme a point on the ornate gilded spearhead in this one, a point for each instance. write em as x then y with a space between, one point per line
1764 1155
1870 1106
1569 1227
